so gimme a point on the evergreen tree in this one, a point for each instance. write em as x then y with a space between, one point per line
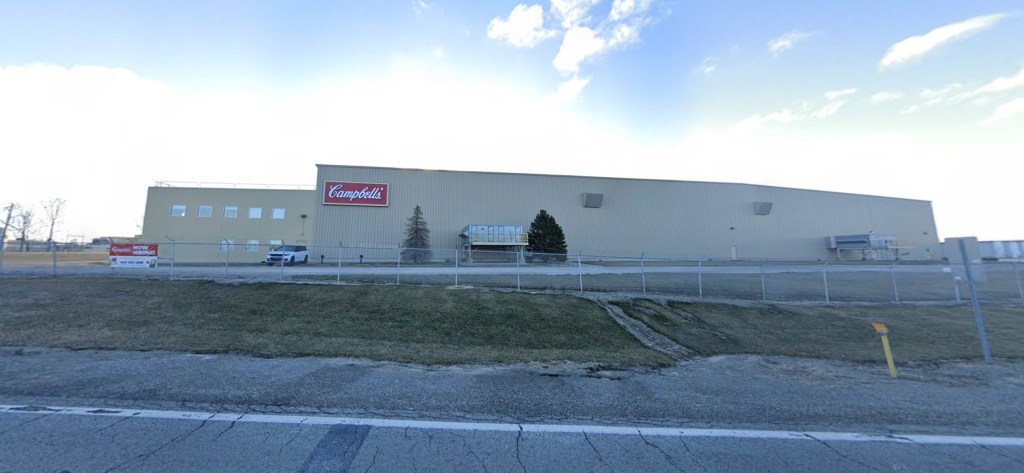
546 237
417 239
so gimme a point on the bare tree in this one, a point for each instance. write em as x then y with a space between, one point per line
7 224
53 210
23 225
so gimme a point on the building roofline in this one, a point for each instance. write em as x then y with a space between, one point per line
233 185
501 173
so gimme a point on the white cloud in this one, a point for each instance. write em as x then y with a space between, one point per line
787 41
909 109
569 90
622 9
940 95
915 47
1007 110
623 34
829 109
578 44
883 97
755 122
582 38
1002 84
572 12
524 27
835 94
708 66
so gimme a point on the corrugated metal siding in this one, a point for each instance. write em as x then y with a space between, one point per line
191 231
659 218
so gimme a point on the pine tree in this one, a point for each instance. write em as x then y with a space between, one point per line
546 237
417 239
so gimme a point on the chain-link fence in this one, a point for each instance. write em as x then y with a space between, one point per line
754 280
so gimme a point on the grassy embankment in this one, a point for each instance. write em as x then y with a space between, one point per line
435 325
917 333
399 323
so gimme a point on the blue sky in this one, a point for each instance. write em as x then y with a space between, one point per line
916 99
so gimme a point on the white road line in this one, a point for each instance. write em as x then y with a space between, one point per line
503 427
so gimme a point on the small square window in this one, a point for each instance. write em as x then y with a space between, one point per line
177 210
205 211
276 243
277 214
227 245
255 212
252 246
231 212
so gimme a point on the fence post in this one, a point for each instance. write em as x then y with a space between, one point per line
398 266
172 255
978 319
895 288
700 280
518 285
764 294
1016 275
824 277
457 256
53 249
956 287
280 277
227 255
579 264
643 274
341 247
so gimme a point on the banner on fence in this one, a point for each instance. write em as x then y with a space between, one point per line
133 255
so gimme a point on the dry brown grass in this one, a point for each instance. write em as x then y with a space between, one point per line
917 333
399 323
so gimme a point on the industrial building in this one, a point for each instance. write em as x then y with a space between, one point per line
359 206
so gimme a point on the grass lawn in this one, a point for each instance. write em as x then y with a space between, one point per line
427 325
916 333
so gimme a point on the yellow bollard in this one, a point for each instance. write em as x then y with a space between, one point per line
882 330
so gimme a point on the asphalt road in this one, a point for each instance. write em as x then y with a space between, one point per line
109 440
162 411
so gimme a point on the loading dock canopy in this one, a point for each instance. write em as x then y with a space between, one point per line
497 235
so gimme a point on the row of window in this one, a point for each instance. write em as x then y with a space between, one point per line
230 211
251 246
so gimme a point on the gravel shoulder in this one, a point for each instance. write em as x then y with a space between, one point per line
723 391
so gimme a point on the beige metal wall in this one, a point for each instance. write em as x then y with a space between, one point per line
659 218
199 239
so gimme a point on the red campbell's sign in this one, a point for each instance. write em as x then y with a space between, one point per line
133 249
355 193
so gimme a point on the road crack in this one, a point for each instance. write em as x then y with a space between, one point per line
229 428
692 455
592 447
116 422
373 461
997 452
667 456
145 456
841 454
298 431
469 447
519 437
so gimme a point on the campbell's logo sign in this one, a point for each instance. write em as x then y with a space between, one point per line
133 249
355 193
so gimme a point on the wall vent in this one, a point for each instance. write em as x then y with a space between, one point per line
593 201
762 208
